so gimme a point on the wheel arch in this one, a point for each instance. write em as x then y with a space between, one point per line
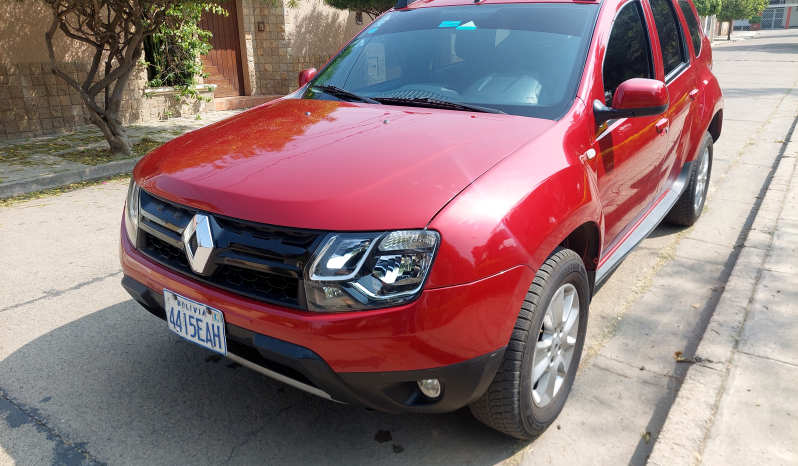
585 240
715 125
533 223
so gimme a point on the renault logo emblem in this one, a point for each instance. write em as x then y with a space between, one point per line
198 242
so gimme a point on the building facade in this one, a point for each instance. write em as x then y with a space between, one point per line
258 51
780 14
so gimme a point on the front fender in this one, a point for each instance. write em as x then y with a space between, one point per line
516 214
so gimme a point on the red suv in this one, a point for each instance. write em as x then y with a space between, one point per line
422 225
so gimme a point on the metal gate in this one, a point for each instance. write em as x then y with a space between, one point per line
773 18
226 52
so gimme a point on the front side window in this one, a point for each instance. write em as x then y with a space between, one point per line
628 52
521 59
669 34
692 25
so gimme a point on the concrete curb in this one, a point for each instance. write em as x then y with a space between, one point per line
20 187
682 438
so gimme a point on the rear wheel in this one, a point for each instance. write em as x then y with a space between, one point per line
688 208
539 366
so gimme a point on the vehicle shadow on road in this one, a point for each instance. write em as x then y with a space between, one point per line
119 383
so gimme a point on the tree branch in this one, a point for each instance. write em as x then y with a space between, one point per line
48 39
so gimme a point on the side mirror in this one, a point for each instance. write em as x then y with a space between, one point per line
636 97
306 75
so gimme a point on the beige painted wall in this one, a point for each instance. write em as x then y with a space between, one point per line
317 29
22 28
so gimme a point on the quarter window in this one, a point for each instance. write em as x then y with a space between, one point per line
692 25
669 34
628 52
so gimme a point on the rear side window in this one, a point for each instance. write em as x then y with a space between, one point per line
669 34
692 25
628 52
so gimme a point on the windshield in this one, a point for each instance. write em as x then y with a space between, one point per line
521 59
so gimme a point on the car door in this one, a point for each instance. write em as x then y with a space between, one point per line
629 150
680 79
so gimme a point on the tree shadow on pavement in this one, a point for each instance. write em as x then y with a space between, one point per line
753 45
119 384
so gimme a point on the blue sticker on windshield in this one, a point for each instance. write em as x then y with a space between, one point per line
373 30
449 24
468 26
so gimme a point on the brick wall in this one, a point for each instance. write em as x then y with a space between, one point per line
34 102
277 54
271 50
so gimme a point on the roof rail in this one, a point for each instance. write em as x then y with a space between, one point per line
403 4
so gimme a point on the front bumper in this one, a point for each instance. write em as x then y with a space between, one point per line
295 365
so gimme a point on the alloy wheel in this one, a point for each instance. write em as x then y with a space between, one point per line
701 182
554 350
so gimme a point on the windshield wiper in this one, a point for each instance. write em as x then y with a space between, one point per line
435 103
344 94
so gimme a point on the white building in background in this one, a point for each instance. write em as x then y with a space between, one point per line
780 14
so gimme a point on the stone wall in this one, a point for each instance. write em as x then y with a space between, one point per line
34 102
291 41
317 32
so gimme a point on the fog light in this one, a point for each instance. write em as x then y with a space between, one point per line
430 387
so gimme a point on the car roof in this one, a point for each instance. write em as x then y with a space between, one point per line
440 3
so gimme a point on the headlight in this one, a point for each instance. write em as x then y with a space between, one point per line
132 212
354 271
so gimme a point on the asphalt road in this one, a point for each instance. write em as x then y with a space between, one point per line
87 376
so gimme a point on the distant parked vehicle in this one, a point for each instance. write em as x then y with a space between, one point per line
422 225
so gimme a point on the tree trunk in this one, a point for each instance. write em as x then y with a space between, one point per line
114 133
106 115
110 124
731 25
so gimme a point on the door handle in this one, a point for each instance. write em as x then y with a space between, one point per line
693 94
662 126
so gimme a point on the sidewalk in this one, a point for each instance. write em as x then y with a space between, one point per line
739 400
735 37
34 164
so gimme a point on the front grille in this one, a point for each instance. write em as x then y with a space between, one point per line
169 255
254 282
258 261
253 355
248 282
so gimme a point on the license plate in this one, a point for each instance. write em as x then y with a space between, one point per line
195 322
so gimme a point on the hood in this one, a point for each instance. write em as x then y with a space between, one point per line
333 165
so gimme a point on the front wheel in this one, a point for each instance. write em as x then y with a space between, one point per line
539 366
690 205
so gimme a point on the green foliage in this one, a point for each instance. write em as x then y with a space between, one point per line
372 8
173 52
115 30
740 9
756 19
707 7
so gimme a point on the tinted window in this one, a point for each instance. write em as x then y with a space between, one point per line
628 54
522 59
668 33
692 25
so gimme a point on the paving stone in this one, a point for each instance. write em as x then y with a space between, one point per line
673 305
770 329
783 255
757 420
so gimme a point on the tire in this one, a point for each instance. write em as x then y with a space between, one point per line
513 403
688 208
